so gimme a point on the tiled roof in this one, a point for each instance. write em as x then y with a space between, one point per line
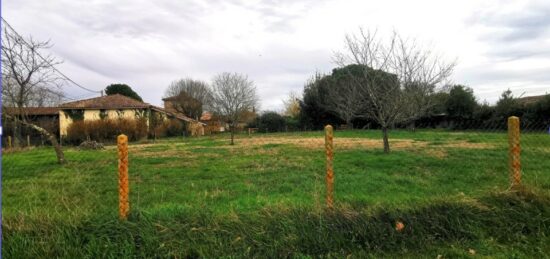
171 98
32 110
179 97
175 114
115 101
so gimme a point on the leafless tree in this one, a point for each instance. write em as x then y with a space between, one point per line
342 98
291 105
29 78
190 97
399 76
234 95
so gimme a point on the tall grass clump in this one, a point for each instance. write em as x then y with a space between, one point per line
518 220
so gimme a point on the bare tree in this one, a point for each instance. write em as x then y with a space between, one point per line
398 77
291 105
29 78
234 95
342 98
189 96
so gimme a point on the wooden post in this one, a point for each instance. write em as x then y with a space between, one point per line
123 182
330 172
9 142
514 151
28 141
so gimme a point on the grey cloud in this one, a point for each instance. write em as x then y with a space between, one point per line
529 23
485 73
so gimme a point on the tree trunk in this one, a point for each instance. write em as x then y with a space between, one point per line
52 138
16 132
232 134
385 138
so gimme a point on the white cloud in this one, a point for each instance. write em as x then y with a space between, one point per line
279 44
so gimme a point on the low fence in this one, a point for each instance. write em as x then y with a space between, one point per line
514 165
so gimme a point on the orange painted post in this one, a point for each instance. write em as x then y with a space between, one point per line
514 149
330 171
123 182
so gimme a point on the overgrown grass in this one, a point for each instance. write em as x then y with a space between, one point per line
200 197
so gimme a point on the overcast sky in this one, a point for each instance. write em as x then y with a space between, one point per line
280 44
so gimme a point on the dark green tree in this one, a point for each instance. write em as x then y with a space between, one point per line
272 122
461 103
313 111
507 105
122 89
540 111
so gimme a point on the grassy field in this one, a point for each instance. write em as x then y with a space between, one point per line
264 197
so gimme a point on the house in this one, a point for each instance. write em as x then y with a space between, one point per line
212 123
176 104
117 106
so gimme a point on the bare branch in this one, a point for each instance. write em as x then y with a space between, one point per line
398 78
233 95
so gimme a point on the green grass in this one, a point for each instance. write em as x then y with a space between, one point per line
200 197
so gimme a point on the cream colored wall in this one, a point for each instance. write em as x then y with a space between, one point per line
65 120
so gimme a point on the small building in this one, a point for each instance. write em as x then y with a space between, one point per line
115 107
212 123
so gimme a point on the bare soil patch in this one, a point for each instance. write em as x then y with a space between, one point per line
355 143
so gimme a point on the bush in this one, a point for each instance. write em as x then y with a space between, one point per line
170 128
271 121
106 130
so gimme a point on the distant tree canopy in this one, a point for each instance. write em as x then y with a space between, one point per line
271 121
333 98
189 96
313 111
507 106
461 102
539 111
292 106
122 89
455 108
187 105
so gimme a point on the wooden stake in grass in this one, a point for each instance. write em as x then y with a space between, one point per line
9 142
514 149
28 141
330 171
123 185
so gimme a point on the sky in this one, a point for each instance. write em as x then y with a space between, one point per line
497 44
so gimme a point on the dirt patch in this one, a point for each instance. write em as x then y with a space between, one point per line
356 143
169 151
438 153
464 144
339 143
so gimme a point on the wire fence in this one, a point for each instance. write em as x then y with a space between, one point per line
288 168
178 176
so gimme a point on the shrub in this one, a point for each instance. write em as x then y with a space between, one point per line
271 121
170 128
106 130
